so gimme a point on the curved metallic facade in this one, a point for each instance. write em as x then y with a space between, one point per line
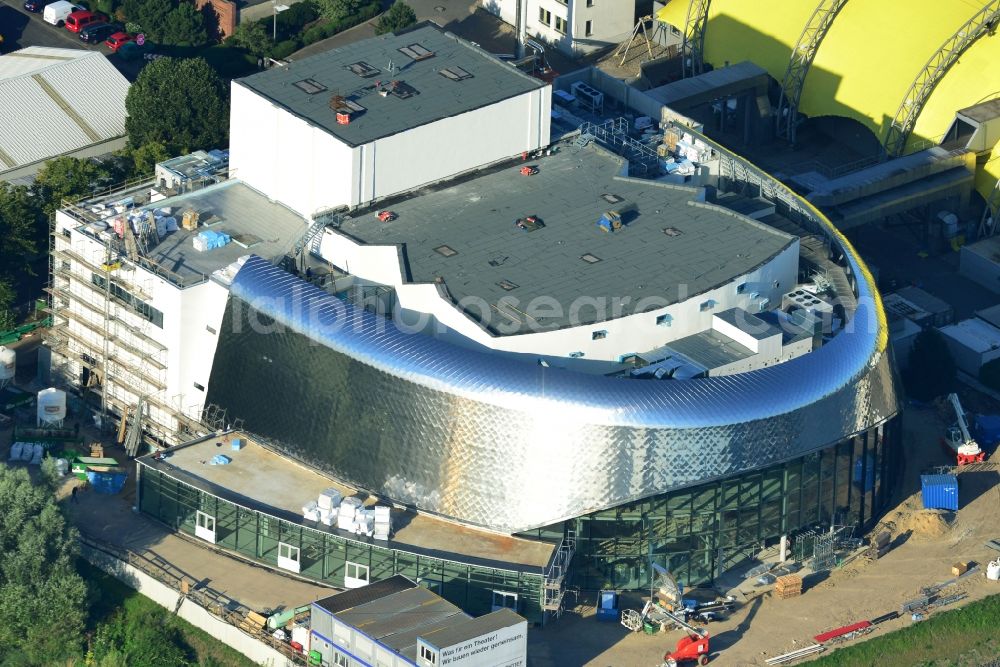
512 446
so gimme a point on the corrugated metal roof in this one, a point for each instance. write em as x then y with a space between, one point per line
54 101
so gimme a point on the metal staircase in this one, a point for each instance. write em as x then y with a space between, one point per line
554 579
798 66
982 22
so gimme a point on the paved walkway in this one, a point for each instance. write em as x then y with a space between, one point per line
111 519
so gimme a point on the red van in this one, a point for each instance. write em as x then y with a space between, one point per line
77 21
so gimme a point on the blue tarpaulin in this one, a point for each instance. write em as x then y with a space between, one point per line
108 482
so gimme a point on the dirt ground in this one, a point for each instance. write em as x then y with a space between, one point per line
926 545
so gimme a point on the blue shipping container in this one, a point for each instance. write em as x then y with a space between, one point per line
939 492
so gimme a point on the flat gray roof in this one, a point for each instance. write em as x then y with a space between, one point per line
476 627
471 78
397 620
353 597
709 349
255 224
463 233
264 480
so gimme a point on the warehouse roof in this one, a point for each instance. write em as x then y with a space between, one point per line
462 233
396 612
436 75
55 101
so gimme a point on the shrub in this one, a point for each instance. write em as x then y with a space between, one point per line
282 50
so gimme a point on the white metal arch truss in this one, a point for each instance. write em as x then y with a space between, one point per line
798 66
982 22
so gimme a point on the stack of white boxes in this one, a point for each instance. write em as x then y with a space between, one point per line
347 513
382 523
364 522
329 505
310 511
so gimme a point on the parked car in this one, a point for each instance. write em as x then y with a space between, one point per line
77 21
117 40
98 32
132 51
56 13
34 6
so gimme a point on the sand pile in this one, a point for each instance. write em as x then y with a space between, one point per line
928 523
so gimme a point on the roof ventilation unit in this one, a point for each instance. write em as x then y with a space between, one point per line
346 110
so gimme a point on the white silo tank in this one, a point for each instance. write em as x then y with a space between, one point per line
51 407
8 365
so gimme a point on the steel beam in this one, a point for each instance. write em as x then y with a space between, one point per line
982 22
693 47
798 65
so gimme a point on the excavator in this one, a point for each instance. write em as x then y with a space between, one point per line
958 439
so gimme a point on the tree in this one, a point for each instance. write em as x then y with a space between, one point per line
253 37
338 10
184 26
931 371
68 178
22 230
181 104
42 597
7 296
399 16
142 161
150 15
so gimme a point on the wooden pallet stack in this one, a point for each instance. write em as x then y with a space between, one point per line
789 586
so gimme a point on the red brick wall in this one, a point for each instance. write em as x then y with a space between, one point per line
226 13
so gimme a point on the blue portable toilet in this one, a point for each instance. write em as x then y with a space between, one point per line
939 492
607 606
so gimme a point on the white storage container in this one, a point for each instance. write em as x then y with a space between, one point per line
329 498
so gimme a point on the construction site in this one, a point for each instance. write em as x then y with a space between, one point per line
746 459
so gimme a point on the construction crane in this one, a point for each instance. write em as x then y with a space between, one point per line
958 439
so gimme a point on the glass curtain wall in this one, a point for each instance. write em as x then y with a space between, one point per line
702 531
327 557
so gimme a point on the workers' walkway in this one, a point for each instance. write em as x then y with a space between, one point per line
111 519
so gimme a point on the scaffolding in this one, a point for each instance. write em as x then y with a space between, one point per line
613 134
798 66
983 22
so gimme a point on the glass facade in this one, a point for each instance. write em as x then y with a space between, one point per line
324 556
702 531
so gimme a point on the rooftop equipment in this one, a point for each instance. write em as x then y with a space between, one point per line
610 221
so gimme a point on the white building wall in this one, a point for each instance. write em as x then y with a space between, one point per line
309 170
189 347
286 158
455 145
625 335
611 21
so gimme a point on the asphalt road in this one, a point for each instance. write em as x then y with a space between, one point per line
21 28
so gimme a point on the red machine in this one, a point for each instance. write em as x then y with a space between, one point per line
692 648
386 216
529 170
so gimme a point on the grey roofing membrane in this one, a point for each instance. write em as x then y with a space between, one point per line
477 627
709 349
358 596
705 246
257 225
982 112
397 620
432 95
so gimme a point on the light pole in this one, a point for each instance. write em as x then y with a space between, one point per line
277 10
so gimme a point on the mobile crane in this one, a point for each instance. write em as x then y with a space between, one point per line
958 439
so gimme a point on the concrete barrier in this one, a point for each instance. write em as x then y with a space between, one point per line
191 612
